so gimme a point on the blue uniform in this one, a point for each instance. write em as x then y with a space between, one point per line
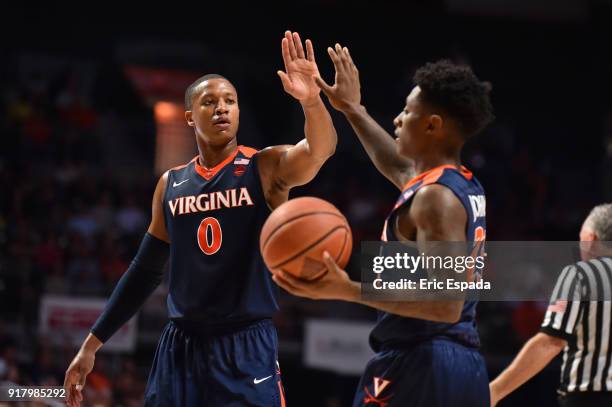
426 363
220 347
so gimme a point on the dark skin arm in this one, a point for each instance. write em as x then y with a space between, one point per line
284 167
345 96
436 214
83 362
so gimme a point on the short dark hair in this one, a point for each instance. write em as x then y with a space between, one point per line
458 92
191 89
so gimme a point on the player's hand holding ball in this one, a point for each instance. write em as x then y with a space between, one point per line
334 285
305 243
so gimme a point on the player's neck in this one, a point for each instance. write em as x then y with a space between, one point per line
423 164
210 156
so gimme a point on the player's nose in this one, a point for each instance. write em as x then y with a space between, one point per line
221 107
397 122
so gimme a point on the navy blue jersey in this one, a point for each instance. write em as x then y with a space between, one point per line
395 330
214 217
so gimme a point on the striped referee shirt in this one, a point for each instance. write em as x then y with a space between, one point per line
580 312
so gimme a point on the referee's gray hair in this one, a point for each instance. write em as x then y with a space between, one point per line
600 221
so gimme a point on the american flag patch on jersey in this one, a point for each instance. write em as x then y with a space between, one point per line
558 306
241 161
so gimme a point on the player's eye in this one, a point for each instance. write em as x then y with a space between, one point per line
207 102
231 101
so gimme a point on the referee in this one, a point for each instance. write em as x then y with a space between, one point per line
581 328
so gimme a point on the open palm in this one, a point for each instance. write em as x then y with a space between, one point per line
300 68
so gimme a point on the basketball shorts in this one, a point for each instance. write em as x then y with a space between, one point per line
435 373
237 369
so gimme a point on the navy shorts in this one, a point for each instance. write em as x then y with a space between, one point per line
435 373
237 369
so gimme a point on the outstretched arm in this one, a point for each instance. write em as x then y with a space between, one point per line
132 290
533 357
288 166
437 215
345 96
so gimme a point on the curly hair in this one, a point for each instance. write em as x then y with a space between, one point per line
189 93
458 92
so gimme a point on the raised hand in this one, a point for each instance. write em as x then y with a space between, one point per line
300 68
345 94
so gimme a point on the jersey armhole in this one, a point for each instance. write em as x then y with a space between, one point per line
164 197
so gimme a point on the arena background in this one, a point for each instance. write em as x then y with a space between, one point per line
91 114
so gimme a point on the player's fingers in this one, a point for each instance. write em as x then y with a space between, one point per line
310 51
285 80
284 284
336 60
343 57
79 385
323 85
329 262
294 281
79 389
79 392
73 396
285 52
66 380
297 41
69 396
340 53
351 64
348 54
292 51
69 386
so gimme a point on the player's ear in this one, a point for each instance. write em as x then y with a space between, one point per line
434 124
188 117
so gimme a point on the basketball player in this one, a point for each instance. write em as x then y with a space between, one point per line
427 352
219 348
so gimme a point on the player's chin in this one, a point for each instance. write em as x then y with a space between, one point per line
221 136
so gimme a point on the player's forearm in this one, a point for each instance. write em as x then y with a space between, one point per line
379 145
533 357
438 311
134 287
319 129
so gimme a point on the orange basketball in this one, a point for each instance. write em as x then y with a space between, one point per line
297 233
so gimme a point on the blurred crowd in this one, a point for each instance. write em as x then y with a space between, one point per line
70 220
